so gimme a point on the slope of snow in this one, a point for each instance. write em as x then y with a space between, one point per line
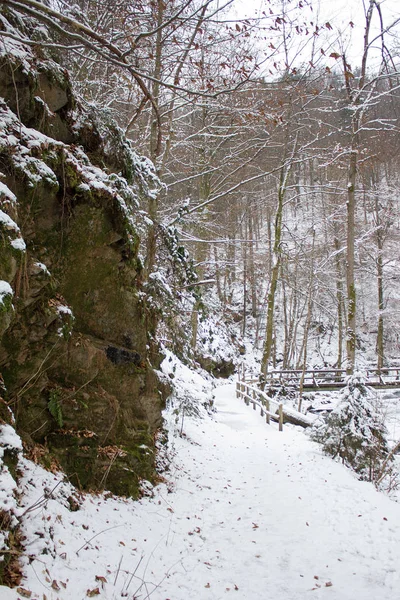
246 512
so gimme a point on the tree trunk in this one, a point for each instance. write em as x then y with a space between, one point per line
267 352
351 288
379 268
307 323
252 278
154 144
340 302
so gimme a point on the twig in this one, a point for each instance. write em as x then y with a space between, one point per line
389 457
43 499
134 573
118 570
99 533
107 472
37 373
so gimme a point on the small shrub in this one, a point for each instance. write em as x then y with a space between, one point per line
186 406
54 406
354 430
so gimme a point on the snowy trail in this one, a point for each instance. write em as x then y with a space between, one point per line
254 513
280 515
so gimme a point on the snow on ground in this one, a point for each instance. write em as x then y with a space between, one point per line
247 512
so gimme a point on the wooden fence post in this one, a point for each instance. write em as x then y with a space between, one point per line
267 406
280 418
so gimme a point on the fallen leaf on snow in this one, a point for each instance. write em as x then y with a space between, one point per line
92 593
102 579
24 593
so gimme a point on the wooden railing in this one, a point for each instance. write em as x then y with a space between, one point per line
268 407
387 377
248 390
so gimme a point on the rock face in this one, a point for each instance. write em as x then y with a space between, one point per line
77 351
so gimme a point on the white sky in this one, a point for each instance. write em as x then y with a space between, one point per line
339 13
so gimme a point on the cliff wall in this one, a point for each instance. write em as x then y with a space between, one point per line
77 351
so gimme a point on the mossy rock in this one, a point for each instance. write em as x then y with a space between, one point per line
217 367
6 313
98 377
90 466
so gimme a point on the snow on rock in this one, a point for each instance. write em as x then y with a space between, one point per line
23 142
30 167
9 439
14 48
6 194
7 222
18 244
161 280
41 268
5 290
64 310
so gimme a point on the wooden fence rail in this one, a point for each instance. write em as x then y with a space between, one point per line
314 379
256 397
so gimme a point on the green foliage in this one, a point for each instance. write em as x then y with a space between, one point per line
354 431
54 406
6 303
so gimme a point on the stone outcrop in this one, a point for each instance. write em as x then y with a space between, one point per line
77 351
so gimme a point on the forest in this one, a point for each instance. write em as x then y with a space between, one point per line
275 138
276 141
189 189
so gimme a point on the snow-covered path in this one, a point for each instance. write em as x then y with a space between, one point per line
280 520
252 513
